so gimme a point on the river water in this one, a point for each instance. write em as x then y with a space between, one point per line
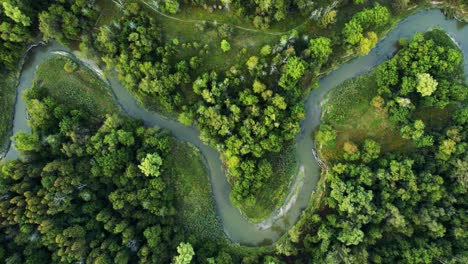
236 227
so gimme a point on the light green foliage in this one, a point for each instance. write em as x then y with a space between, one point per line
353 32
70 66
27 142
370 151
186 118
266 50
326 136
225 46
358 2
186 253
320 48
258 87
292 72
328 19
367 43
368 19
15 14
426 84
151 164
171 6
252 63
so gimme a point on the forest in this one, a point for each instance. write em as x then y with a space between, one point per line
399 206
93 185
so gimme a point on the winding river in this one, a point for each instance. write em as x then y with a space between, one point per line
236 227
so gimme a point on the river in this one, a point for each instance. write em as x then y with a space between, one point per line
236 227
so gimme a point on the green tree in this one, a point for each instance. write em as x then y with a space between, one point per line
252 63
426 84
27 142
292 72
186 253
70 66
171 6
353 32
326 136
367 43
266 50
151 165
328 19
225 46
15 14
320 48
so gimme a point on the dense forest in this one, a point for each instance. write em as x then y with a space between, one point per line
98 189
397 206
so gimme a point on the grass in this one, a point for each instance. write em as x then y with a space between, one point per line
349 111
196 207
273 192
108 12
216 59
80 89
8 84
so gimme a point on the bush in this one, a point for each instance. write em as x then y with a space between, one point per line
70 66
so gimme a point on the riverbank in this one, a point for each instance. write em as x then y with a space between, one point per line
9 80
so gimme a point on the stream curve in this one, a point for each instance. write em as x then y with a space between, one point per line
236 227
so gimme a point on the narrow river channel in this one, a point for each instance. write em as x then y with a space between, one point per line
236 227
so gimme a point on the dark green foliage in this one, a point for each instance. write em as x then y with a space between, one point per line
66 21
250 116
368 19
427 72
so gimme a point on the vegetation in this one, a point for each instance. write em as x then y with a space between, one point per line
354 113
77 87
192 77
97 183
95 186
393 206
16 32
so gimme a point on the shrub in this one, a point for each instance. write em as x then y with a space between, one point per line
225 46
70 66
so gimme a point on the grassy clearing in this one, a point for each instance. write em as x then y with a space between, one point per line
274 190
195 204
8 83
349 111
81 89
